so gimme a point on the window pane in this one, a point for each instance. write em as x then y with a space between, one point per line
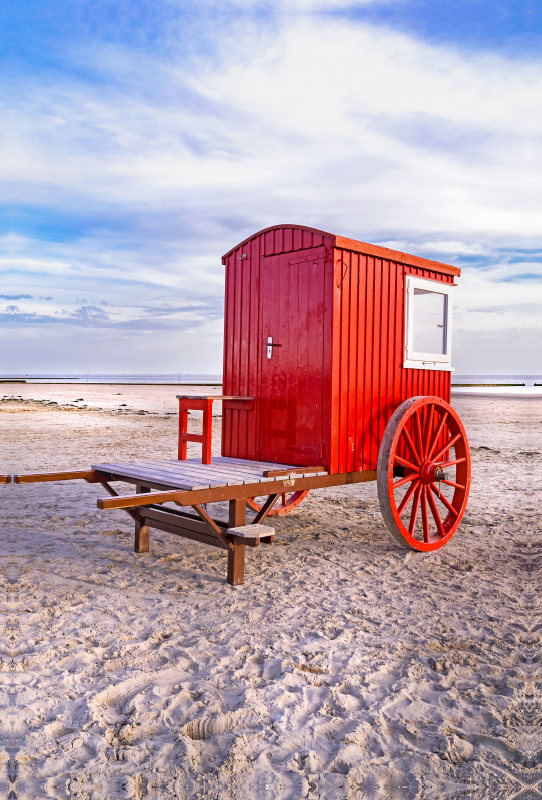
429 309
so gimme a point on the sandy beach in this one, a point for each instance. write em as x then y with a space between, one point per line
343 668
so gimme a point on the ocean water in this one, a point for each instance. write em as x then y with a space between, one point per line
529 381
185 379
177 378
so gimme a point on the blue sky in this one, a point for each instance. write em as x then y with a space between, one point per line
143 140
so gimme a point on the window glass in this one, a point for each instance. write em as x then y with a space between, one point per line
429 321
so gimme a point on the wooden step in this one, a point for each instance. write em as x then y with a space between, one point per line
251 535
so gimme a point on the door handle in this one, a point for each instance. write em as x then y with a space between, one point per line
270 346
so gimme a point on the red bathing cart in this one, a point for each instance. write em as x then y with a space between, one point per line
337 370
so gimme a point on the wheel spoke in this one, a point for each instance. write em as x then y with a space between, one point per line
456 485
451 463
406 463
412 446
419 434
428 425
405 480
447 447
436 436
415 509
406 498
436 515
443 500
425 520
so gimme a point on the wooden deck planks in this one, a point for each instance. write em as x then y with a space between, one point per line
142 474
168 478
192 474
231 466
231 477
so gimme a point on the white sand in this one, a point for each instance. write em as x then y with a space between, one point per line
343 668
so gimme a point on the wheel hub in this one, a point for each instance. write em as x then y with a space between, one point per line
430 473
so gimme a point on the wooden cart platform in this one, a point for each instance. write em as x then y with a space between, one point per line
193 484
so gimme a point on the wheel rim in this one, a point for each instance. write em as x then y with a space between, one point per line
424 439
286 502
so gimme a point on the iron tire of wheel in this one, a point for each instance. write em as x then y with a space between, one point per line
424 429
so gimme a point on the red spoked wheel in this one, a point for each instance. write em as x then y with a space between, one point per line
423 473
286 502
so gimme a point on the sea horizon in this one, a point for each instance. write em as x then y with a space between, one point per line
514 381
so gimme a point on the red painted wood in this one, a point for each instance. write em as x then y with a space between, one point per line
205 437
329 423
292 303
361 420
352 245
344 327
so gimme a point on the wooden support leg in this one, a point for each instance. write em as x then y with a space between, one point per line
237 513
183 429
236 557
236 565
141 538
207 435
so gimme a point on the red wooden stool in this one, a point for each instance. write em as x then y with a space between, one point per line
203 403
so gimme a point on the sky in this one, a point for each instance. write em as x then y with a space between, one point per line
142 140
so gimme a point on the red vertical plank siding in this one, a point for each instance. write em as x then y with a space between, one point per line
239 308
228 344
399 333
342 284
368 378
253 352
240 436
237 301
335 407
361 338
376 356
386 357
244 332
353 338
368 362
288 240
329 437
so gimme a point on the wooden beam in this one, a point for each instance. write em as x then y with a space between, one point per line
237 513
283 473
220 494
212 525
5 478
265 509
193 529
188 521
130 511
88 475
141 537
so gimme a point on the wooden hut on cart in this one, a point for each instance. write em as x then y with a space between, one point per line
322 331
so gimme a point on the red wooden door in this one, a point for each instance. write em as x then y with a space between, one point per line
292 314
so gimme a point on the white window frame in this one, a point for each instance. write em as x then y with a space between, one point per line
415 360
